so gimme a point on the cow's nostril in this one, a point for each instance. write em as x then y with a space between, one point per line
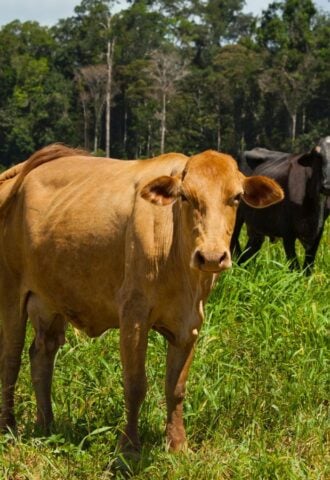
223 258
199 257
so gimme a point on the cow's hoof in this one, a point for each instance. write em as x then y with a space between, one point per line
123 464
44 424
130 447
177 447
176 439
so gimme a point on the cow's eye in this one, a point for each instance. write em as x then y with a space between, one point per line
235 199
184 198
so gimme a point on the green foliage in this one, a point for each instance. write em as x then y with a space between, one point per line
249 81
36 109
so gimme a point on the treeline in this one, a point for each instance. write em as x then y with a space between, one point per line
165 75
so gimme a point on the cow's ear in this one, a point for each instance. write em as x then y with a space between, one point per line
162 190
261 192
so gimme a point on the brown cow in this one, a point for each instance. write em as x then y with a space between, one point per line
103 243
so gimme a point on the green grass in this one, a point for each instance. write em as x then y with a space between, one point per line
257 405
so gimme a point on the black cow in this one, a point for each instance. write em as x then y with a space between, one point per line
305 179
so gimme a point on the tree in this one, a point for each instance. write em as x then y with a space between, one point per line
294 88
93 79
81 39
225 21
236 70
286 32
109 88
35 108
287 25
166 69
139 30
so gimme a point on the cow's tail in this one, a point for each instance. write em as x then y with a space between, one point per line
18 172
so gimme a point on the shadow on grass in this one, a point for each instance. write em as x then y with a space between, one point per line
71 439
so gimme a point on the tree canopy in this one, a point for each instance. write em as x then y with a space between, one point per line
185 75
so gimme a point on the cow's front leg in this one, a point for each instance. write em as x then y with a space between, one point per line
290 251
177 367
310 254
133 346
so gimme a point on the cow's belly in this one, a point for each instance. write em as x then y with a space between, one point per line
94 323
88 311
81 283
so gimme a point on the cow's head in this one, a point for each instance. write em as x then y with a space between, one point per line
320 153
209 191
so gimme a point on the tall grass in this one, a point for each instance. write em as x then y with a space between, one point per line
257 405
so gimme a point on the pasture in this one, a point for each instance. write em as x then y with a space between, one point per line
257 404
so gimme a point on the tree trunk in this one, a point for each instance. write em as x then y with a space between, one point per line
149 140
98 118
108 97
86 142
125 131
303 126
96 140
219 132
163 124
293 127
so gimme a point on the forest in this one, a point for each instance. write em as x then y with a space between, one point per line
164 75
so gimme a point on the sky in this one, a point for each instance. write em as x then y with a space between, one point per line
48 12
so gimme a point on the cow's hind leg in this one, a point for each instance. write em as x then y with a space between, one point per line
133 346
49 336
12 335
177 367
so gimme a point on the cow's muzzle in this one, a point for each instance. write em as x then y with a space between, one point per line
212 262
